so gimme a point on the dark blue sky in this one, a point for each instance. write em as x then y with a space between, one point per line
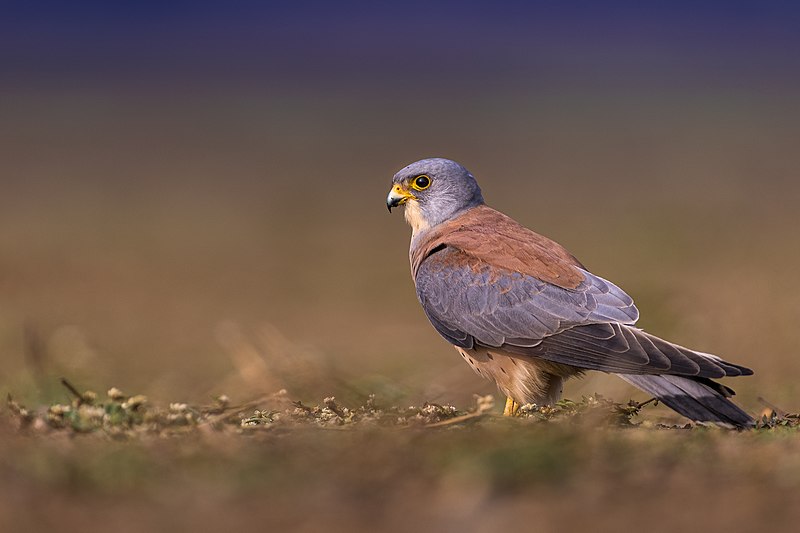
403 43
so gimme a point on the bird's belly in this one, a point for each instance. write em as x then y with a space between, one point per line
526 380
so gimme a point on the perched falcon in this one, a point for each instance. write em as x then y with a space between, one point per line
523 312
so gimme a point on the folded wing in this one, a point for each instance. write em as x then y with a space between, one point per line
472 302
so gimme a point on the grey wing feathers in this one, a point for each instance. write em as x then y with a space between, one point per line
591 327
470 301
695 398
626 349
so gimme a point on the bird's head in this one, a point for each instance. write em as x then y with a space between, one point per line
433 191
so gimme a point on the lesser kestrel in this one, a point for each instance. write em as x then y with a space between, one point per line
525 313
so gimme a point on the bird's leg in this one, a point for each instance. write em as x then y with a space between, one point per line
511 408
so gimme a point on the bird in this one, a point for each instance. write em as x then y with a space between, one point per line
526 314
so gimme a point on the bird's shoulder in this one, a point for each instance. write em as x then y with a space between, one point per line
498 241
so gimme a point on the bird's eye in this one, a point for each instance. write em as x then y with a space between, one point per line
421 182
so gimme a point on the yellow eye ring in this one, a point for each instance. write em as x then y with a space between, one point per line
421 182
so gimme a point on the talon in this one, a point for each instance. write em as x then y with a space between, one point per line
512 407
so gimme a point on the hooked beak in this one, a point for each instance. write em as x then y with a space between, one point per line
398 196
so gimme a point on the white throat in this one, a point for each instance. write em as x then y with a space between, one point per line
414 217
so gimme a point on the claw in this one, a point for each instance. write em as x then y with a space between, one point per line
512 407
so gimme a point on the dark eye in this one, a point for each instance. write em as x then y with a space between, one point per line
421 182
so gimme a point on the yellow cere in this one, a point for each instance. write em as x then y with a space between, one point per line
404 193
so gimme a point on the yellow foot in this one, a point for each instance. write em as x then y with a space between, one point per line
512 407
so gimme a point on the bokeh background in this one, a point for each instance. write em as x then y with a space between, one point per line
192 203
193 194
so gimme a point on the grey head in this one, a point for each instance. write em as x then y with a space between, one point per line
433 191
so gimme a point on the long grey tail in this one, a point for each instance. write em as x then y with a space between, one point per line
699 399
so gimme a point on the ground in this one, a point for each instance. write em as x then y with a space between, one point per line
116 463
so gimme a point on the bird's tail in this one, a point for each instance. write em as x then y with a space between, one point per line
699 399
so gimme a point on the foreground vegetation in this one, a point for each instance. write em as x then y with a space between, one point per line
120 415
118 462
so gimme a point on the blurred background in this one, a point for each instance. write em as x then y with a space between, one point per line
192 202
193 195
